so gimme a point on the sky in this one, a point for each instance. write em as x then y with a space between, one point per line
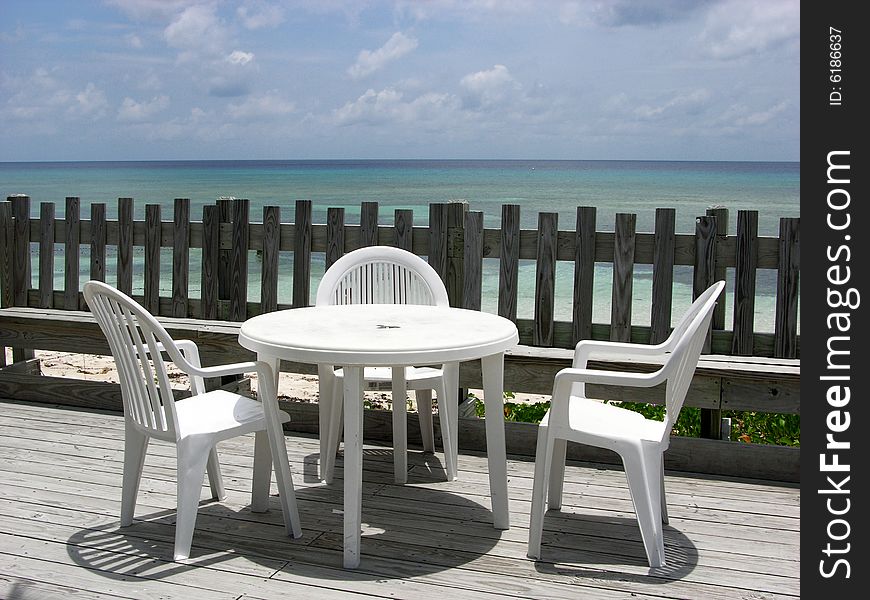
334 79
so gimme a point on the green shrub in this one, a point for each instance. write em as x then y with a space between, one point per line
749 427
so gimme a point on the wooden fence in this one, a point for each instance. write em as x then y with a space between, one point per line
455 242
218 250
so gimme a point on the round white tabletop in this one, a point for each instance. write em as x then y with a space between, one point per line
378 334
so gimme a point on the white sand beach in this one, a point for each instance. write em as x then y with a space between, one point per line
292 386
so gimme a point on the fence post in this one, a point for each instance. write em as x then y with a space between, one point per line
7 235
21 263
706 230
455 251
7 250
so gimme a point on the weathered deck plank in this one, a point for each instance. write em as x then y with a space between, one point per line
61 488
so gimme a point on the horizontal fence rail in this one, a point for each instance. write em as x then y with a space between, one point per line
213 256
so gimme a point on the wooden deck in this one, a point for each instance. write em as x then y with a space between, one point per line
60 476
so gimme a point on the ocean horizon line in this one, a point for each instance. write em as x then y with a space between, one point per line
384 160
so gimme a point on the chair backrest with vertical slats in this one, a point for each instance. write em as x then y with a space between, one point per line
136 339
688 340
381 275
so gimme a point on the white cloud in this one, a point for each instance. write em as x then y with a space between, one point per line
198 33
139 111
150 9
484 81
390 106
744 27
369 61
489 87
90 103
237 57
681 104
258 107
754 119
134 41
256 15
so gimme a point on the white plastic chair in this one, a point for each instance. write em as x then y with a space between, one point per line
387 275
640 442
194 424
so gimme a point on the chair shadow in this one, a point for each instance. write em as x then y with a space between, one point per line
610 548
398 542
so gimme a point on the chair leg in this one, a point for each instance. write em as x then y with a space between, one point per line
400 425
135 446
557 475
642 468
664 497
215 481
262 472
540 485
424 413
192 458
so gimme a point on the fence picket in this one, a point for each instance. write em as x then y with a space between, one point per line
71 254
509 261
271 244
623 276
239 260
153 242
787 286
663 275
545 279
181 258
210 261
335 238
46 255
744 283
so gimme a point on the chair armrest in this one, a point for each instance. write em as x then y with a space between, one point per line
569 376
230 369
614 350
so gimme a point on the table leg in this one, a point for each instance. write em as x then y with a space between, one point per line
353 446
326 406
400 425
493 398
451 406
278 447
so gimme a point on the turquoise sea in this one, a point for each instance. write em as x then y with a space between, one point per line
772 188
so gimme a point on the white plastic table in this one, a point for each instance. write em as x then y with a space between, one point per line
357 336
